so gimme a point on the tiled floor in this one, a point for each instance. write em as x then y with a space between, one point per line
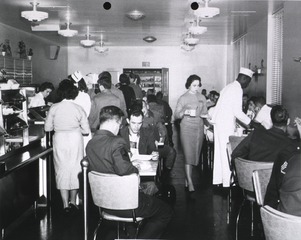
203 218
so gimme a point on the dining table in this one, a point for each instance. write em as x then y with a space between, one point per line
147 167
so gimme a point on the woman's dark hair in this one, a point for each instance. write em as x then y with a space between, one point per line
105 81
191 78
67 90
46 85
82 86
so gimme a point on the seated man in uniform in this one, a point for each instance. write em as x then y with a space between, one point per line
108 153
265 145
284 189
143 141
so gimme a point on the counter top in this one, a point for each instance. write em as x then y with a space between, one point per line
23 156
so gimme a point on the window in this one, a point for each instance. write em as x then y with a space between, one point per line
274 83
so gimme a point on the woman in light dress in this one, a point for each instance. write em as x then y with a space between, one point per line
190 108
69 123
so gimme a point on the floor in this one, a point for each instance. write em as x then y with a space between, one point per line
204 217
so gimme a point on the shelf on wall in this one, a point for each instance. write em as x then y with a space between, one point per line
18 69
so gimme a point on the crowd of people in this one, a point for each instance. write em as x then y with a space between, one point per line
109 124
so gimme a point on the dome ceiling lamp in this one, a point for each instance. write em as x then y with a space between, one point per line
101 48
186 47
190 40
68 32
135 15
197 29
87 42
206 12
34 15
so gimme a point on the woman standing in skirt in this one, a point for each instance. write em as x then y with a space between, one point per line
190 107
69 122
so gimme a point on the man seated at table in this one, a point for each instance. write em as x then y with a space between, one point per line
108 153
265 145
142 140
263 113
284 189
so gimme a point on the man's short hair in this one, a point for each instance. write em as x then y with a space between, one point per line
279 116
136 113
159 95
109 113
105 81
46 85
259 101
124 79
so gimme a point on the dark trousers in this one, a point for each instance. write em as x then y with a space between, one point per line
168 154
157 215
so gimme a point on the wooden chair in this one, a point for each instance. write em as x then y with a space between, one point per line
244 171
261 178
280 226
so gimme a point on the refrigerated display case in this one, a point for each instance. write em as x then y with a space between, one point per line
152 78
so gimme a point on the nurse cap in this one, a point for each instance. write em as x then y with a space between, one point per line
77 76
246 71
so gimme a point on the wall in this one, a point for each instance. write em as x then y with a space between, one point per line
44 69
208 61
291 50
257 51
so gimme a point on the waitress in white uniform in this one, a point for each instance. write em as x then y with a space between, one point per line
69 122
227 110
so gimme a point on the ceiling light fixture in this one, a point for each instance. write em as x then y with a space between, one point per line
149 39
87 42
68 32
206 12
34 15
197 29
101 48
190 40
187 47
135 15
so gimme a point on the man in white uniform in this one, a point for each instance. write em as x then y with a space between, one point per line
227 110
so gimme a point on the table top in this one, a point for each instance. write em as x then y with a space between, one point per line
147 167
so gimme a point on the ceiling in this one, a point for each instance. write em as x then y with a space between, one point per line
167 20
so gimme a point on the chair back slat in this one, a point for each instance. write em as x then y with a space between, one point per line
244 171
280 226
114 192
261 178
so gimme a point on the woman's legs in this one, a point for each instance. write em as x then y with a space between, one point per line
65 197
73 194
188 172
